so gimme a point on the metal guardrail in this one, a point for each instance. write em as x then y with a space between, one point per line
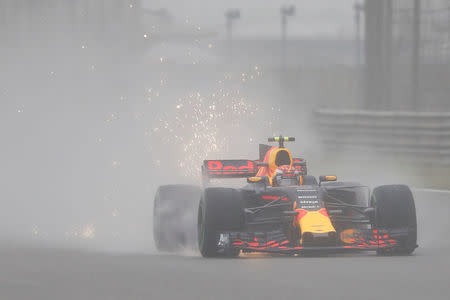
422 136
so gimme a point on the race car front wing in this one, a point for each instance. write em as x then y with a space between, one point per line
278 243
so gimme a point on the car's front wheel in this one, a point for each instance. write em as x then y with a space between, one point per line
220 210
395 212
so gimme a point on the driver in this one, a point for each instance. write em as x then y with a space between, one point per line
286 175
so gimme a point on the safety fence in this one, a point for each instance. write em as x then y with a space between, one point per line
419 136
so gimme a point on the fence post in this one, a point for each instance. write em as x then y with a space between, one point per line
415 80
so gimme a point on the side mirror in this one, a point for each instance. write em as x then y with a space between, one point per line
259 179
255 179
327 178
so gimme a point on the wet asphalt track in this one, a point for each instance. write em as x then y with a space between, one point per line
65 274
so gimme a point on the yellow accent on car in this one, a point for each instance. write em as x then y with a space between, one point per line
315 222
254 179
273 157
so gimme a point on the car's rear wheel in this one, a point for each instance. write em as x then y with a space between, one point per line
220 210
395 212
174 212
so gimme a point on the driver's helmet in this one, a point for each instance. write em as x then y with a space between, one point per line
286 175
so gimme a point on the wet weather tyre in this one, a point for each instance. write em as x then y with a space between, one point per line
174 217
395 211
220 210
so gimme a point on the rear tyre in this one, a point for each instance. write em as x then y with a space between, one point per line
220 210
174 217
395 212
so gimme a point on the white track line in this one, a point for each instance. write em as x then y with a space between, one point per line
431 191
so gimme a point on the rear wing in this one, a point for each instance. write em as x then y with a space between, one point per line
229 168
240 168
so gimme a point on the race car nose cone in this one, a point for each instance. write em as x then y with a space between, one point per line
317 228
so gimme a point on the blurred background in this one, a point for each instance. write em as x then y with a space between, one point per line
101 101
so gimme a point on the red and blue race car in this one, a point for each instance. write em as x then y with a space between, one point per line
282 209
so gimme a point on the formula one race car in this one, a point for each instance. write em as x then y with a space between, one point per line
282 209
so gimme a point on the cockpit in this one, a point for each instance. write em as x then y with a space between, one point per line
286 175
